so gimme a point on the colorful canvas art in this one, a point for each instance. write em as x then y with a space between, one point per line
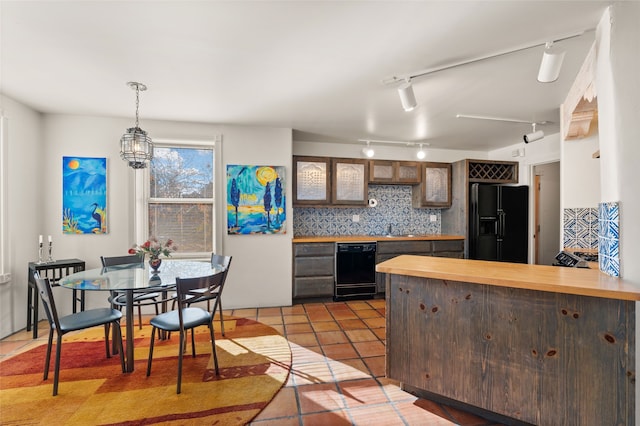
84 195
256 200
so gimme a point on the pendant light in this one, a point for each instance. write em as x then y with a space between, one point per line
135 146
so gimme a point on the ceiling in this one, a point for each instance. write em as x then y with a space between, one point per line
314 66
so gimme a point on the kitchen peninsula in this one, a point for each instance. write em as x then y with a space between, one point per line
526 343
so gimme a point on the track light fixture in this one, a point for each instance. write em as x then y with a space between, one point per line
533 136
549 69
407 97
368 151
551 63
421 154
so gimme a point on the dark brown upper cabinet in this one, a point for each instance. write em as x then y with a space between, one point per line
394 172
435 188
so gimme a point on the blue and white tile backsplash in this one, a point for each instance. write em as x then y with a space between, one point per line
609 238
581 228
394 208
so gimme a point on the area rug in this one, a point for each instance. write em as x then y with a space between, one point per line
254 361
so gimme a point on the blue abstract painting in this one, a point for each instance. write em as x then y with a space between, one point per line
256 200
84 195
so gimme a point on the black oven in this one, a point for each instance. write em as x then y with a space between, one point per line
355 269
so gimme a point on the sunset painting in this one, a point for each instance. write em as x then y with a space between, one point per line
84 195
256 200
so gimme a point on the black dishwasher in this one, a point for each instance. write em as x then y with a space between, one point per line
355 270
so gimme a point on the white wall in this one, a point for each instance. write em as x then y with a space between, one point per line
25 202
580 173
261 269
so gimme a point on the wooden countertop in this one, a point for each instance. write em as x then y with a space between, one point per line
347 238
584 282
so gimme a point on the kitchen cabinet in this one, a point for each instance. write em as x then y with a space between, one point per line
488 171
394 172
349 182
437 248
313 270
435 187
311 181
326 181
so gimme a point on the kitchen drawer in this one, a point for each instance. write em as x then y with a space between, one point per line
313 266
313 287
314 249
404 247
452 245
451 254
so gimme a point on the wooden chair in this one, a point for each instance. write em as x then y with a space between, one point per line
188 317
140 297
78 321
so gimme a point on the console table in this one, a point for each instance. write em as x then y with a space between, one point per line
54 271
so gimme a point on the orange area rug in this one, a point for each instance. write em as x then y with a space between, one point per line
254 361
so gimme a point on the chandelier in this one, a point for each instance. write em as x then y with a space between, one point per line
135 146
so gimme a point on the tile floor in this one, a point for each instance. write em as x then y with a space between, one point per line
337 375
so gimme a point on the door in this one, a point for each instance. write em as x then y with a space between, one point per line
514 224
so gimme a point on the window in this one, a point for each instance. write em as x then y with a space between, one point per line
180 204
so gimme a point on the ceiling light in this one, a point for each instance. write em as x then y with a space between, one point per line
135 146
421 154
407 97
534 136
551 63
368 151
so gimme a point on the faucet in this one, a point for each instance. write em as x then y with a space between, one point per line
389 230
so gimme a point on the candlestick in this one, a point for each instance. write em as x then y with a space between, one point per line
40 252
50 259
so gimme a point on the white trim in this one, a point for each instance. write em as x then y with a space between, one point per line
4 200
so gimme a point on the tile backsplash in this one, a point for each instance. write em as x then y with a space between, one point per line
596 229
609 238
581 228
393 208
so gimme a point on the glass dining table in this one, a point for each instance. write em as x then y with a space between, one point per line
129 278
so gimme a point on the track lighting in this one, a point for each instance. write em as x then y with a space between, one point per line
407 97
551 63
533 136
368 151
421 154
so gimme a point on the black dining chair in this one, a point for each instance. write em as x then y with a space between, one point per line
78 321
225 262
142 297
188 317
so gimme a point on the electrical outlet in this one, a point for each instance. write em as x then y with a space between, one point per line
356 218
433 218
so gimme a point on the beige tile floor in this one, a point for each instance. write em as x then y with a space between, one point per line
337 375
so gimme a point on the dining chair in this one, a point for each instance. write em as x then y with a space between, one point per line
188 317
73 322
224 262
141 297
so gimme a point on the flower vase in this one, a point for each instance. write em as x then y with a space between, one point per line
155 263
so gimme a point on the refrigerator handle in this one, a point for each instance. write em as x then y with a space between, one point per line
501 223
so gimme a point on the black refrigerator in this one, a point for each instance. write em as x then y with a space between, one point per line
499 222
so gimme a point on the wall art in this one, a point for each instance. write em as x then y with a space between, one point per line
256 200
84 195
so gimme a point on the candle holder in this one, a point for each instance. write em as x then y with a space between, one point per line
50 259
40 254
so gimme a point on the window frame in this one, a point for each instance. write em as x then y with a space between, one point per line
143 198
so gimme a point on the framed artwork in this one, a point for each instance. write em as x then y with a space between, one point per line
256 200
84 195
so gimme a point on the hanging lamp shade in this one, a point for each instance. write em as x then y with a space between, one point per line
136 146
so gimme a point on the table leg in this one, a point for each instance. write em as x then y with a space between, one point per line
129 330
